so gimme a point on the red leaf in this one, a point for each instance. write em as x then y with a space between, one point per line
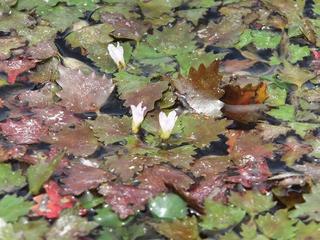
51 203
25 131
16 66
316 54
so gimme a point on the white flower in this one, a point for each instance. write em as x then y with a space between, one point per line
116 53
137 116
167 123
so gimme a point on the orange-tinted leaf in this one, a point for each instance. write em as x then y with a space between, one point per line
293 150
250 94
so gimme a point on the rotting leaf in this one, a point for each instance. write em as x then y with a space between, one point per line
183 229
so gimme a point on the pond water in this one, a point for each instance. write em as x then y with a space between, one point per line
159 119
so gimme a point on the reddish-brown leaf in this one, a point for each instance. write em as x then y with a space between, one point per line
83 93
245 146
148 94
210 166
157 178
51 203
124 199
81 178
15 66
78 140
26 130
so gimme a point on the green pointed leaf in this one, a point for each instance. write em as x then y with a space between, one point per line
310 231
31 230
297 53
38 174
10 180
219 216
277 226
252 202
12 207
285 113
310 208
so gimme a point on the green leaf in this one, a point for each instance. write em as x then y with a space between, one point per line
194 59
192 15
219 216
285 113
38 34
297 53
131 232
307 231
108 218
38 174
303 128
249 231
88 200
127 82
10 180
168 206
60 17
90 36
261 39
31 230
173 40
277 226
12 207
276 95
310 208
70 227
111 129
252 202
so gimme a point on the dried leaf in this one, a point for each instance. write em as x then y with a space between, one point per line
293 150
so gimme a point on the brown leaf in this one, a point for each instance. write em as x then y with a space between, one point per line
126 166
245 113
125 200
235 65
210 165
78 141
201 89
83 93
23 131
186 229
125 28
148 95
81 178
293 150
270 132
